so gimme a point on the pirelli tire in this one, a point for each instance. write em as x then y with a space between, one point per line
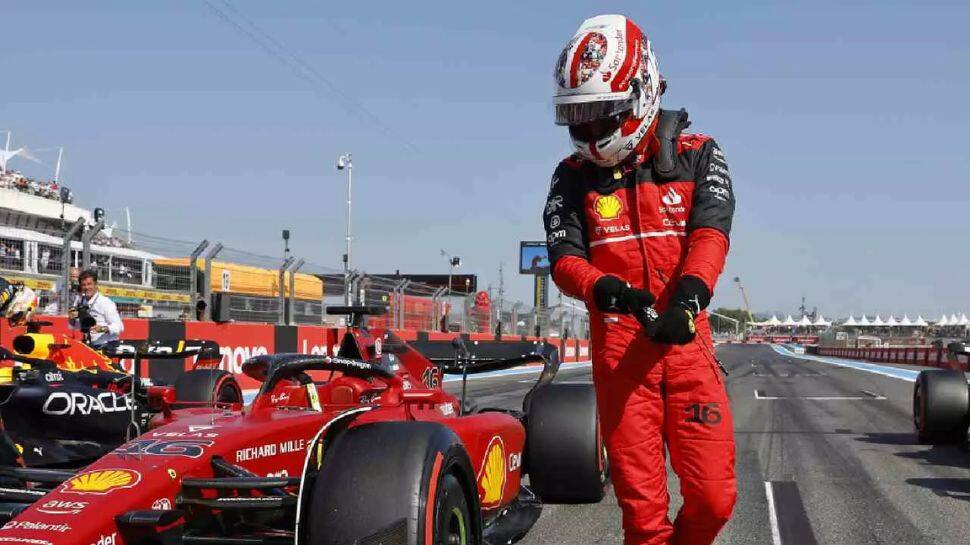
207 386
394 483
565 457
941 406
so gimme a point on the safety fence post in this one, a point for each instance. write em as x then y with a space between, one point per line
194 276
86 238
282 285
66 261
289 303
207 281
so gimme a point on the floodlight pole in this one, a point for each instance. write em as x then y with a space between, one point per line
346 161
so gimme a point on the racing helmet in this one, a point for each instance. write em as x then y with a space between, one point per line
608 88
7 292
20 307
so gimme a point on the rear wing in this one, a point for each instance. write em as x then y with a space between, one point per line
205 351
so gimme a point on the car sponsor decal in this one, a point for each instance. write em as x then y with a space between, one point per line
61 507
107 539
24 540
515 461
74 403
36 526
491 478
608 207
101 481
162 504
183 435
270 450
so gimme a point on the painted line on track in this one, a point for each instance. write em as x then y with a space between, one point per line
886 371
786 510
772 514
868 397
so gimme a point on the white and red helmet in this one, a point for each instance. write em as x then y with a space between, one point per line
608 89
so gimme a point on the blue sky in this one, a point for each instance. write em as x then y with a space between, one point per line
843 123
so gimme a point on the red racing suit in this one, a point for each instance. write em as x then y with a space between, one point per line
651 225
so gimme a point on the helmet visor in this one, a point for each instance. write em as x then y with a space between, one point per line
586 112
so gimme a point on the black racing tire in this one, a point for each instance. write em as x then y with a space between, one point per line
382 483
941 406
565 457
207 386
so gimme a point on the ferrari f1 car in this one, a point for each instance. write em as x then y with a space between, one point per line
360 448
65 404
941 400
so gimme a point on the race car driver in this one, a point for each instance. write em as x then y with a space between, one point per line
637 225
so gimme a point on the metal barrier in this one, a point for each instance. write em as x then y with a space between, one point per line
133 270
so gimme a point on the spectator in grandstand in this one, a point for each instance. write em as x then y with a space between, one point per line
107 322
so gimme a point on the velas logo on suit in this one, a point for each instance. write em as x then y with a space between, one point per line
608 207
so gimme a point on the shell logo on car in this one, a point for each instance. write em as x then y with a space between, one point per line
608 207
102 481
491 480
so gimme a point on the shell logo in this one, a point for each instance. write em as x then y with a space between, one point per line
492 477
102 481
608 207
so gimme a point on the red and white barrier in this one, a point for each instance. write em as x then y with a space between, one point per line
928 356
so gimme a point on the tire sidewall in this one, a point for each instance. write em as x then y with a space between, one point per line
449 501
375 475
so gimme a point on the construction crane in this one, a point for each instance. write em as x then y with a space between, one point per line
744 296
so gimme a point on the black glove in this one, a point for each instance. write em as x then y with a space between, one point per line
676 324
612 294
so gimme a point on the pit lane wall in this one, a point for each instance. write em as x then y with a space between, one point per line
928 356
240 341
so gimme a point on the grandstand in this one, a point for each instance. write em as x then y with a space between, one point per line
45 235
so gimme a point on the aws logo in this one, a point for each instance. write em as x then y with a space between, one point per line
608 207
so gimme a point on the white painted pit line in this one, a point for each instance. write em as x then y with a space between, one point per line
772 514
869 396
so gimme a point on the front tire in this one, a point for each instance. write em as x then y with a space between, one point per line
394 483
566 459
941 403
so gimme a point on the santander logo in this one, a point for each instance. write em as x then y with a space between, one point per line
672 198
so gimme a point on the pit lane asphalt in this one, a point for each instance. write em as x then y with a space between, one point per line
835 443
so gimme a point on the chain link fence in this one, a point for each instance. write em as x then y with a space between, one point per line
157 277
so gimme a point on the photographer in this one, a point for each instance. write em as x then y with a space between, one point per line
94 314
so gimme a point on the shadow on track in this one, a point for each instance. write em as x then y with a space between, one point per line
956 456
958 489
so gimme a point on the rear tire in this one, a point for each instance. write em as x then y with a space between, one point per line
384 483
941 407
207 386
565 457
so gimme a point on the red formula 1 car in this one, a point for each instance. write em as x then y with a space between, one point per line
361 448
